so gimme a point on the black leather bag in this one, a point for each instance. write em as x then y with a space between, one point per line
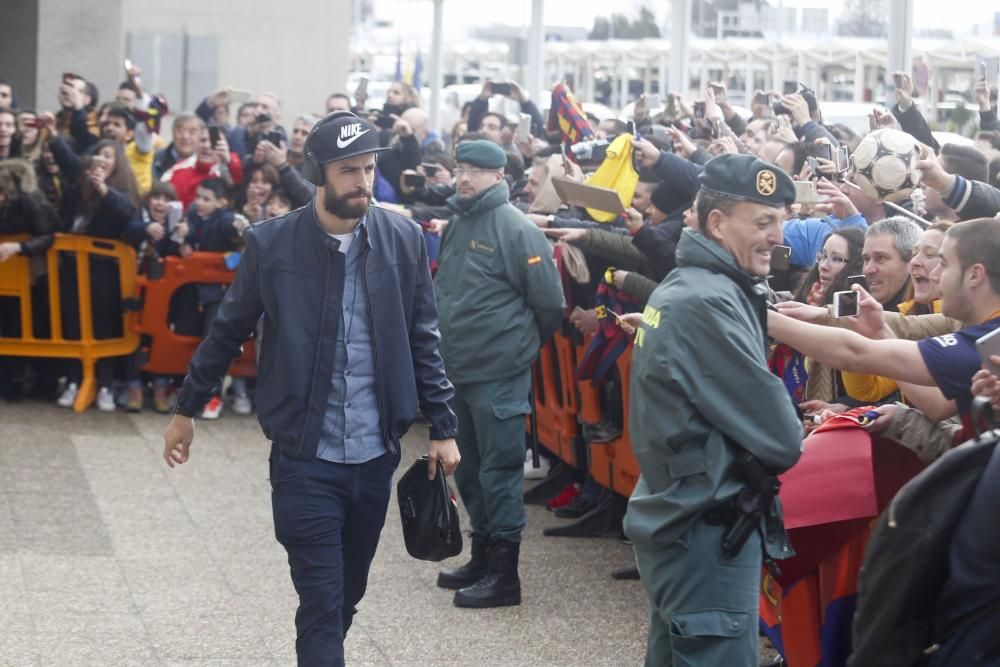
429 514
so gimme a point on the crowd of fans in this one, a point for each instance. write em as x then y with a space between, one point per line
106 170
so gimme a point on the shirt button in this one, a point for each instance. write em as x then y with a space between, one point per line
348 405
347 372
348 436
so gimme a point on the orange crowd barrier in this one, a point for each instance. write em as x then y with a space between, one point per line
15 282
168 352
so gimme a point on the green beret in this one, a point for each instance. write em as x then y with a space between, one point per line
748 178
482 153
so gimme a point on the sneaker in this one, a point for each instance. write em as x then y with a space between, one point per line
565 497
531 472
242 404
161 402
601 432
577 508
133 399
105 400
68 397
212 409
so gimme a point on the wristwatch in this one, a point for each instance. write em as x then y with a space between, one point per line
550 219
179 410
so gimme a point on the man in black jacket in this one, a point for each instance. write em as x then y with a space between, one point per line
350 345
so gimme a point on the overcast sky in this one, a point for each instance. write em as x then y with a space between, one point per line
413 16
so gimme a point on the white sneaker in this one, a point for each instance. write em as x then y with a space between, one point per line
212 409
531 472
242 404
68 397
105 400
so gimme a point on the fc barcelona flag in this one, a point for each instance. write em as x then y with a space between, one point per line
566 116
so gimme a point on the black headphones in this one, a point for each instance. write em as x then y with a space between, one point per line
312 170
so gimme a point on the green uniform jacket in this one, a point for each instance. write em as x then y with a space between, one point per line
498 291
700 379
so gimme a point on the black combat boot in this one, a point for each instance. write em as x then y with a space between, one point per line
501 587
472 571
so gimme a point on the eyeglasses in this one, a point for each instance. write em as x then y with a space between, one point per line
833 259
474 171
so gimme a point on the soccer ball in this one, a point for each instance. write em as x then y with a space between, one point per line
884 165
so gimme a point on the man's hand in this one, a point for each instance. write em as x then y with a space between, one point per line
903 91
566 234
445 451
797 108
633 220
274 155
517 93
683 145
629 322
982 93
221 149
96 178
487 90
437 225
639 110
177 440
886 414
870 320
648 153
155 231
402 127
541 221
934 175
804 312
618 278
986 384
585 321
70 96
723 145
837 203
219 98
817 407
185 250
8 250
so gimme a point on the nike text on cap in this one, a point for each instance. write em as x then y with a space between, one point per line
343 137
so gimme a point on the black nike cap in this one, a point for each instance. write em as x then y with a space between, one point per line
342 135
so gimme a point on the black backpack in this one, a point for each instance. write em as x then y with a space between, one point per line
906 563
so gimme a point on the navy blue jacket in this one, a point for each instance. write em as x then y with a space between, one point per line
286 274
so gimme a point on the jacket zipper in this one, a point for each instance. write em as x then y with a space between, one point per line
371 327
319 339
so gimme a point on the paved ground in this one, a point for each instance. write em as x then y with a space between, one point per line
108 557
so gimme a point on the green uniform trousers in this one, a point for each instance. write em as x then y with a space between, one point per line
703 606
490 477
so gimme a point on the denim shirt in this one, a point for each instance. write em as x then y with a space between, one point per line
351 429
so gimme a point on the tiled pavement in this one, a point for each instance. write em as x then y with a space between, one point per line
108 557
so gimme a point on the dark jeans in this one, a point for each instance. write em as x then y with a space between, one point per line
328 516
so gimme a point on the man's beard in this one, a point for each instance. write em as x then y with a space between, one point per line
343 207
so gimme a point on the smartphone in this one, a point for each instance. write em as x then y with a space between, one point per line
500 88
845 304
128 72
989 345
789 88
761 98
825 151
716 128
630 127
524 128
780 256
385 122
671 106
430 169
214 135
362 89
653 102
274 137
721 96
565 159
699 110
897 80
842 159
415 181
175 211
805 191
980 70
238 96
857 280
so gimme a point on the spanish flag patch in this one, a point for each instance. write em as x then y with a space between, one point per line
534 260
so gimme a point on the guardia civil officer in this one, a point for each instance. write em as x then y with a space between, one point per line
702 397
499 297
350 347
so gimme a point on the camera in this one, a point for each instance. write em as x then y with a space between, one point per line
273 137
595 150
415 181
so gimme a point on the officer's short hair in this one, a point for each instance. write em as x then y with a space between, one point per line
707 201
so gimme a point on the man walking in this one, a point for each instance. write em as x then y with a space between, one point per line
703 399
350 347
500 297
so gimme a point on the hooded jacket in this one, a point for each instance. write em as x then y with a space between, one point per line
498 292
700 392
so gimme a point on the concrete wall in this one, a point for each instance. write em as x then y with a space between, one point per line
41 39
298 49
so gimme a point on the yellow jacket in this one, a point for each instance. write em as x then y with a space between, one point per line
873 388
